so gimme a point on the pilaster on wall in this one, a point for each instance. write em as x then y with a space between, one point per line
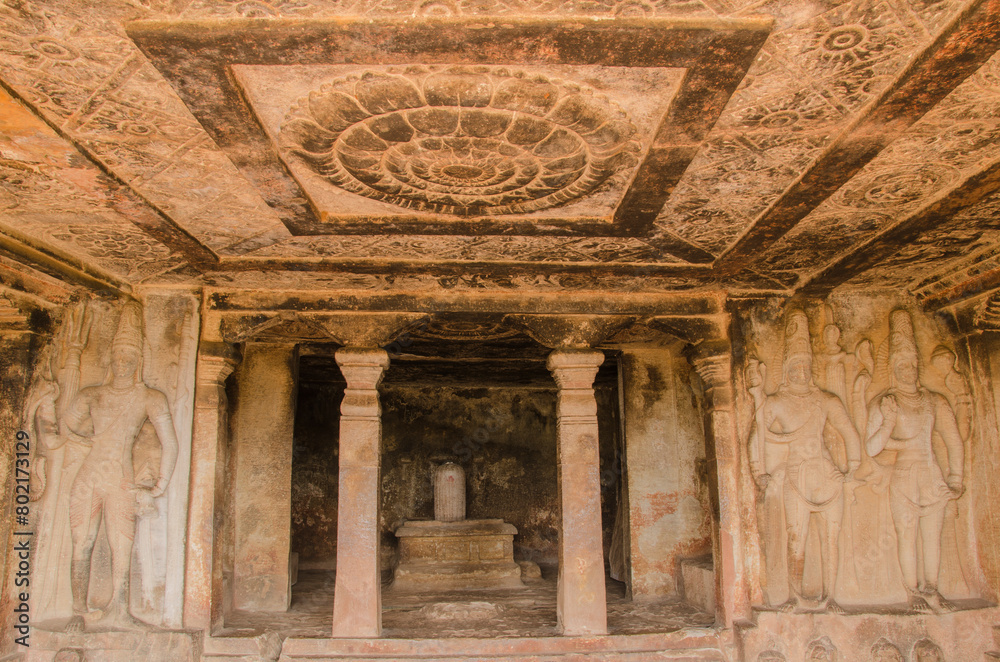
713 362
664 442
203 596
262 447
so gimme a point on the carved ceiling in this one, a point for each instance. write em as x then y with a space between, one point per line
750 146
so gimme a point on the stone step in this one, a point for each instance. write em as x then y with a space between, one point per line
692 645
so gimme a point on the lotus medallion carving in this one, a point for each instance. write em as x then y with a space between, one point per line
462 140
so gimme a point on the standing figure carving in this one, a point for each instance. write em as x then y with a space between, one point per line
109 417
59 455
901 421
792 422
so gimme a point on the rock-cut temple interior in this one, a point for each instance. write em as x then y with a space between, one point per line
611 330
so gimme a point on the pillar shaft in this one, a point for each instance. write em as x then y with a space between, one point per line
723 449
263 476
581 601
357 599
203 581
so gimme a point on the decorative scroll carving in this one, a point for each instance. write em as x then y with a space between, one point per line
461 140
805 455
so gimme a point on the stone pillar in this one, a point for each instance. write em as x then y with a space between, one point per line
663 443
262 476
203 576
581 604
714 365
357 598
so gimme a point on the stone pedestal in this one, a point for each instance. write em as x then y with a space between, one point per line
581 604
455 555
357 602
263 476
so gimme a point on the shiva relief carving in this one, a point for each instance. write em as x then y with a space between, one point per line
106 456
859 461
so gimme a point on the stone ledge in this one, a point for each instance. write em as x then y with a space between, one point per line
688 645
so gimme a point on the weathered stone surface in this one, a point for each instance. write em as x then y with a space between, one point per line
448 555
262 456
668 515
181 182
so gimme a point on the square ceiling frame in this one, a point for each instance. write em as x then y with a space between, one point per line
196 58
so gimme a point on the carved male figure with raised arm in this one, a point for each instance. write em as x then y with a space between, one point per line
902 421
110 417
795 418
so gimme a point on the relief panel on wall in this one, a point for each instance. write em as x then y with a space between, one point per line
110 412
858 450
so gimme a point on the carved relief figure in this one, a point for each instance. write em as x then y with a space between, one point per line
884 651
902 421
109 417
794 419
59 454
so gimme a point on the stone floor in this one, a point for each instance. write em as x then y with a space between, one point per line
527 612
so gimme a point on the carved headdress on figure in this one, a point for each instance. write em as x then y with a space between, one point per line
128 336
798 345
902 344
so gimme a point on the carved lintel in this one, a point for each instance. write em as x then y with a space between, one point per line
365 329
284 326
570 331
691 329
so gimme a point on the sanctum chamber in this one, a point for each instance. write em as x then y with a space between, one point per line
500 330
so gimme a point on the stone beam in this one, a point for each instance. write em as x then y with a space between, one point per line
882 246
123 198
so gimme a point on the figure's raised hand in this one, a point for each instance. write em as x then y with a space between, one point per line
889 408
78 327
